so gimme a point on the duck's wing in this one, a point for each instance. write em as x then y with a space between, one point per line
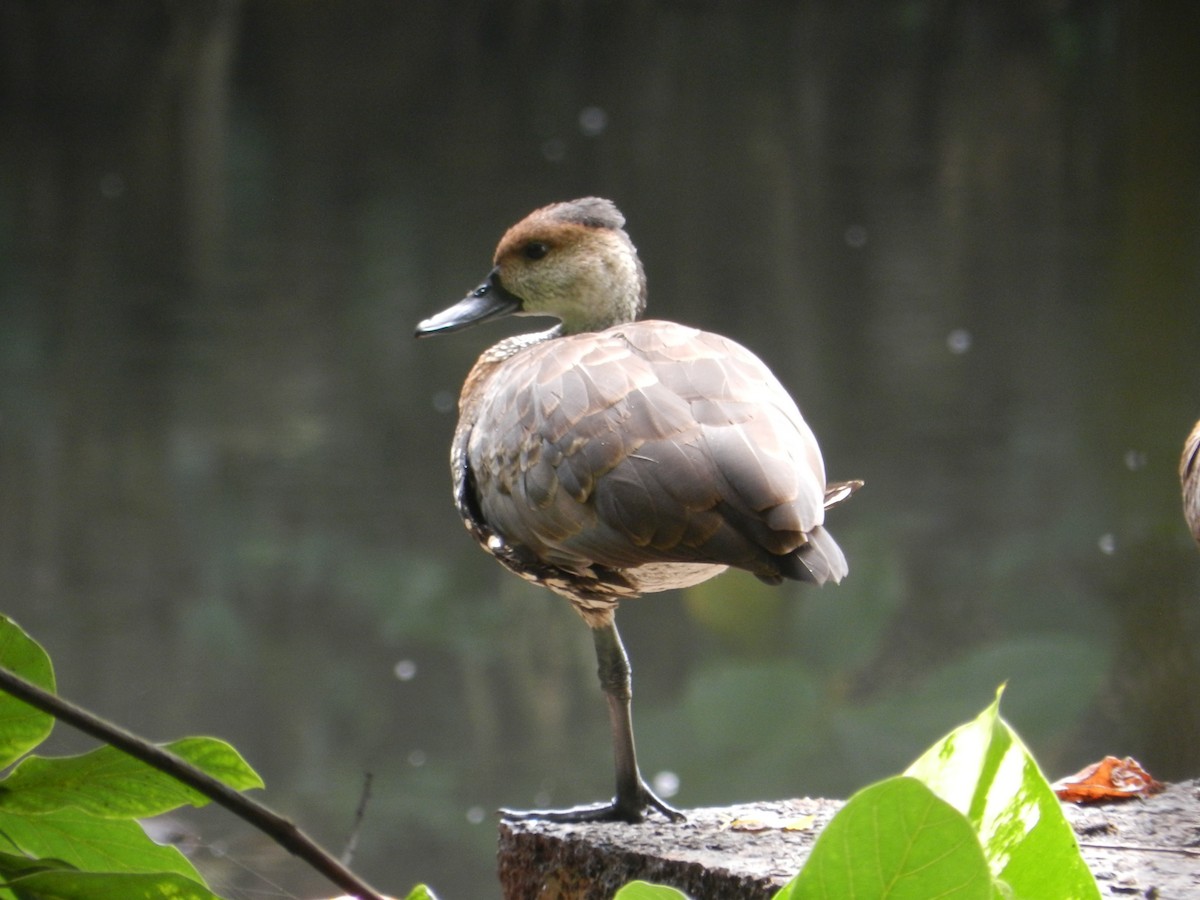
647 443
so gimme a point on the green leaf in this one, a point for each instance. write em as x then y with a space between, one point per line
421 892
643 890
896 840
984 771
91 843
218 759
111 784
21 726
14 865
64 884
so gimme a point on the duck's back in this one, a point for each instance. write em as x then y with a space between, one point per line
643 444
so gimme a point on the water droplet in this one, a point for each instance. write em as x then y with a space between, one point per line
1135 459
417 758
476 815
1107 544
592 121
406 670
856 236
443 401
112 186
666 784
959 341
554 150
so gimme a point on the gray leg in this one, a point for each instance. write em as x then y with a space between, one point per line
634 799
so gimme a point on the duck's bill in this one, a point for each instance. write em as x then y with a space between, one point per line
488 301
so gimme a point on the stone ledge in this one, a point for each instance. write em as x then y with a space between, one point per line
702 856
1142 848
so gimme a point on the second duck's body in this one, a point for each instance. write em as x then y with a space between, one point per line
1189 479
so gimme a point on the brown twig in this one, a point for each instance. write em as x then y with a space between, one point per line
282 831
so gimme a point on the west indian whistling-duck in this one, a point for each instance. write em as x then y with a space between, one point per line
1189 478
609 457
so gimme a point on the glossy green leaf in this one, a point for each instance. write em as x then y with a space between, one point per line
111 784
984 771
90 843
21 726
642 890
895 840
70 885
421 892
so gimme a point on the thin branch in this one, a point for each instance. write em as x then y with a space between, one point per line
359 815
281 830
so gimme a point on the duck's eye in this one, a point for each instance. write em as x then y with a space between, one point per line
535 250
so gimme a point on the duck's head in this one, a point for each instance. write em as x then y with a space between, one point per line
570 260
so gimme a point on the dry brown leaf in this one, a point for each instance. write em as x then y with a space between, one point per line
1112 778
755 824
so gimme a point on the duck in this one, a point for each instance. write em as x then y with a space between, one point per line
612 456
1189 479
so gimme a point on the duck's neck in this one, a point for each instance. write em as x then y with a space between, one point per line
614 293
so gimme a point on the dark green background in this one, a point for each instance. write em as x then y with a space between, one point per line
966 235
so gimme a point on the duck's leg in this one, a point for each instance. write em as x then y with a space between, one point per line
634 799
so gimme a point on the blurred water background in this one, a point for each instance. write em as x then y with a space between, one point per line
966 235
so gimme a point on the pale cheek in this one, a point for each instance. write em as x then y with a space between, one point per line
546 293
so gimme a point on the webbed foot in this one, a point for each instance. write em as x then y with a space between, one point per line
619 809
